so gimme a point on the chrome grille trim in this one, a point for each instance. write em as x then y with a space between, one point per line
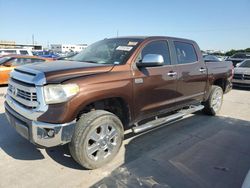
25 92
26 95
22 94
21 87
25 103
241 76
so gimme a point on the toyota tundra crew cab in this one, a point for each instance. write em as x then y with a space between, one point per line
115 84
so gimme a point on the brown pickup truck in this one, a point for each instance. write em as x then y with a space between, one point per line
115 84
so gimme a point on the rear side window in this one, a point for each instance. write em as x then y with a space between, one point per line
37 60
21 61
10 51
157 47
185 52
17 62
24 52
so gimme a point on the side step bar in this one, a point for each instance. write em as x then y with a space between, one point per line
158 122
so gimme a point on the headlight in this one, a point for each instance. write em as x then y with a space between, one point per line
59 93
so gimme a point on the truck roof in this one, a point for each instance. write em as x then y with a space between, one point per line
150 37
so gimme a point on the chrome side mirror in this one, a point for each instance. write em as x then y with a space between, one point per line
151 60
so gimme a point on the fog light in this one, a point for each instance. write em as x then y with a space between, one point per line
51 133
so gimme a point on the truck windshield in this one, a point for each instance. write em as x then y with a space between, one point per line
245 64
108 51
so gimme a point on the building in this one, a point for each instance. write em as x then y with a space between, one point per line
64 48
12 44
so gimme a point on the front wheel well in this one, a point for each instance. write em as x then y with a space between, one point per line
114 105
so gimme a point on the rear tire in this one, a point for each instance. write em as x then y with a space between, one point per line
97 139
214 102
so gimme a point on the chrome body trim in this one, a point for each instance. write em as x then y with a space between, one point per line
40 137
25 103
34 108
153 58
31 114
21 100
38 132
168 119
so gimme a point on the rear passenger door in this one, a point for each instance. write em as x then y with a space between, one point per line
191 71
154 88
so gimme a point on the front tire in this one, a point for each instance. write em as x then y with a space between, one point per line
97 139
214 102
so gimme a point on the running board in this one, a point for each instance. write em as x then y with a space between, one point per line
158 122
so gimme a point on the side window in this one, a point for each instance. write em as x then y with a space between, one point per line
37 60
24 52
21 61
185 52
157 47
10 51
17 62
26 61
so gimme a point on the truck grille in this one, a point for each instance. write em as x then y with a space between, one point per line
23 93
241 77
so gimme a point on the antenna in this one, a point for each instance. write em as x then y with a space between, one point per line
33 39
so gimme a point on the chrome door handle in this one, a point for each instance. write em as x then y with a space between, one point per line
172 73
202 70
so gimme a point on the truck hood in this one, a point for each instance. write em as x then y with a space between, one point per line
242 70
59 71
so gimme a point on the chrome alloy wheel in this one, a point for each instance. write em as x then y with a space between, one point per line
217 100
101 142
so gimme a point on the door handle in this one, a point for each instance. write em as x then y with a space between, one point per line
172 74
202 70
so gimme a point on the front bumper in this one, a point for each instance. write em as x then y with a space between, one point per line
40 133
241 83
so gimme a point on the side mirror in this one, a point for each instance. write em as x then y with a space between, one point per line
151 60
238 64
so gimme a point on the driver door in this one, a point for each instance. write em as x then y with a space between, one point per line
154 87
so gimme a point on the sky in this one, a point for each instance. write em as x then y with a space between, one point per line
213 24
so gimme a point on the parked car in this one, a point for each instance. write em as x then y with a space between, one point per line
242 74
113 85
211 58
9 62
67 56
238 58
15 51
46 54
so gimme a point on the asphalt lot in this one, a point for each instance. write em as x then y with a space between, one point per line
199 151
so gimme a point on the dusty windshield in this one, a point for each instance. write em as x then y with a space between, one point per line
245 64
108 51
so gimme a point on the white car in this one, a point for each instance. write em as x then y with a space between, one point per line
15 51
242 74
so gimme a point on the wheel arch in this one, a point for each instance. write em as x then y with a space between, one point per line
221 82
116 105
